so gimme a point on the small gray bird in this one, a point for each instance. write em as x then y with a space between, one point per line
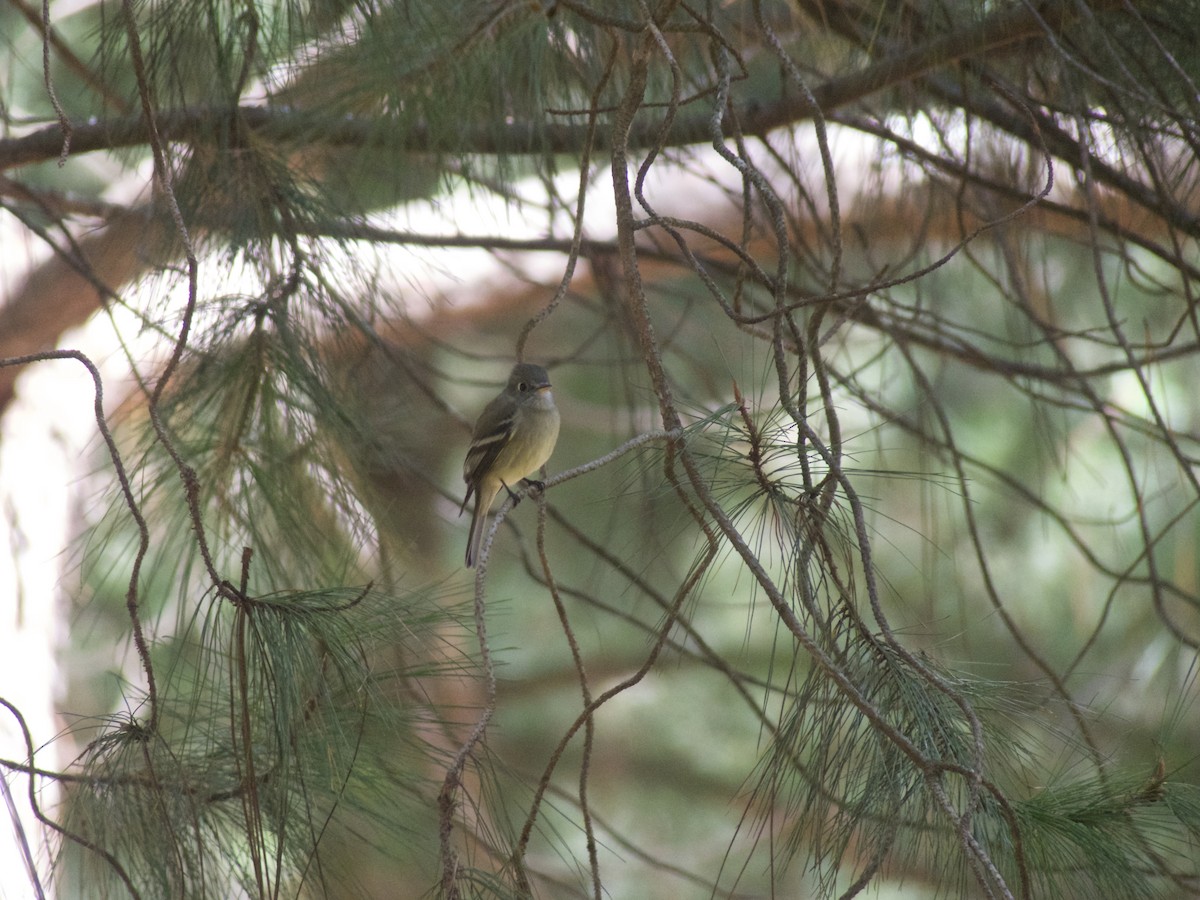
514 436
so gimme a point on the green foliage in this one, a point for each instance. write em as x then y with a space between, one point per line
1093 837
276 725
899 317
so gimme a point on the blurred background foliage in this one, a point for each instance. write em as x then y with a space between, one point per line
896 594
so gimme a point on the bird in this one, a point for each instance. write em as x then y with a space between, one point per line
513 437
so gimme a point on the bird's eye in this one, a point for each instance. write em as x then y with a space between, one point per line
523 387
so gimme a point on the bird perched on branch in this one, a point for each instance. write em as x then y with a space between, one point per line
513 438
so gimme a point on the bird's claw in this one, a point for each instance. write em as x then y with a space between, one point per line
529 483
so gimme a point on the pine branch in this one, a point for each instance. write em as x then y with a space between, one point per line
1000 32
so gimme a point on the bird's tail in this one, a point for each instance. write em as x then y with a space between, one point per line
478 520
